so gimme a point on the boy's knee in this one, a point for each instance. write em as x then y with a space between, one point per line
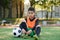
23 23
38 26
23 26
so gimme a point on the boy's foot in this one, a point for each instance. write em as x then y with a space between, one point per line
36 37
24 36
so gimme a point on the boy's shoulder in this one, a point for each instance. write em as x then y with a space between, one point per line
37 19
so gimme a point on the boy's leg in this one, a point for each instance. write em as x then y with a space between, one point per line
32 33
38 30
23 26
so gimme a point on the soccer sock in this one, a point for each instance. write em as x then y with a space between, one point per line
23 26
38 30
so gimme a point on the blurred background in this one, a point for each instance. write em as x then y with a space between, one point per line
48 11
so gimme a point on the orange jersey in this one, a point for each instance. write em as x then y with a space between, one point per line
31 24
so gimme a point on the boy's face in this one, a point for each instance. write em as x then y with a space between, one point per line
31 14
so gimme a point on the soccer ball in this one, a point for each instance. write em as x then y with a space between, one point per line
17 32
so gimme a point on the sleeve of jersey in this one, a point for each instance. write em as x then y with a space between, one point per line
37 23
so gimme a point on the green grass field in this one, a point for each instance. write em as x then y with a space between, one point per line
47 33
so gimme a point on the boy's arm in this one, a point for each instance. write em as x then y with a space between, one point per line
37 23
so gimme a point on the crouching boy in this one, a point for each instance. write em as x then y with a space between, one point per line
30 25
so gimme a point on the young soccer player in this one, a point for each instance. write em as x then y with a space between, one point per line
30 25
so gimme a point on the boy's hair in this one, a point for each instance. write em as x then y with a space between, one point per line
31 9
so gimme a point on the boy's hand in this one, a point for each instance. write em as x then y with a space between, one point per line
29 31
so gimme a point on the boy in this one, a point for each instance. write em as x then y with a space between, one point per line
30 25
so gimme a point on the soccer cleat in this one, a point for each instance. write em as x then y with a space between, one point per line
36 37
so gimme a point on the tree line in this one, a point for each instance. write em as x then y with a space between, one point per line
7 4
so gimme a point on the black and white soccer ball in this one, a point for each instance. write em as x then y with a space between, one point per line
17 32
